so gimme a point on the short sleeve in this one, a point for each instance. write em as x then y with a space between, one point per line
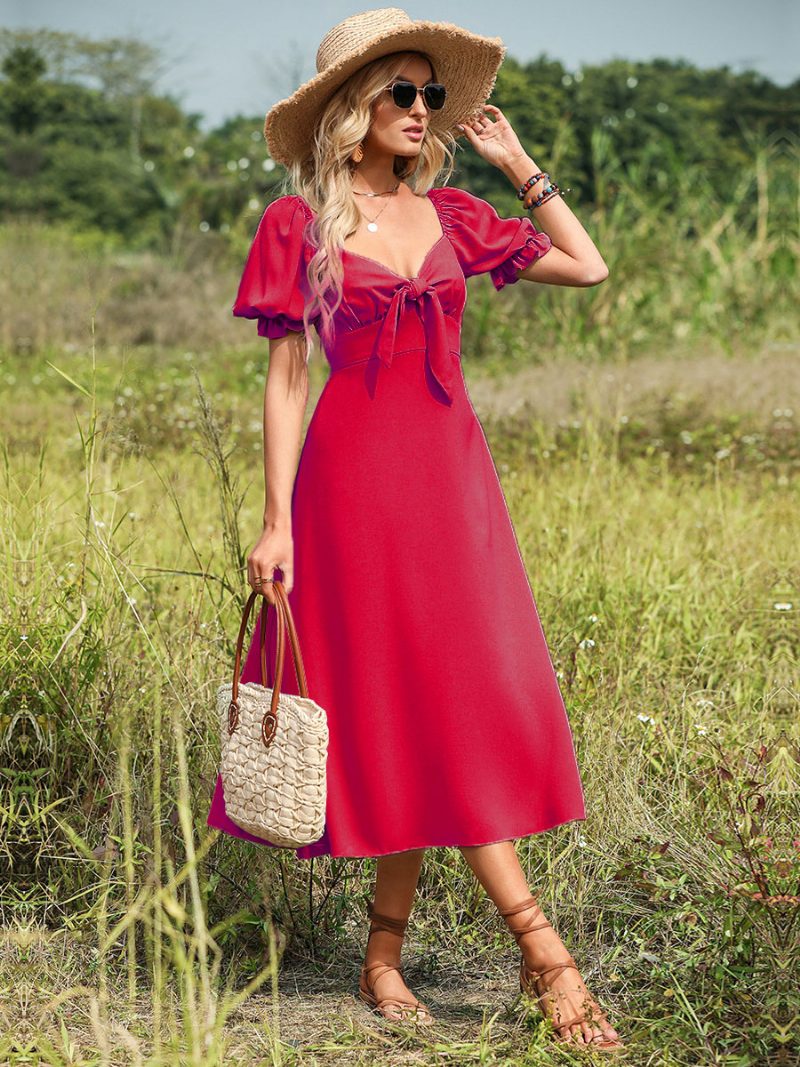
484 241
272 287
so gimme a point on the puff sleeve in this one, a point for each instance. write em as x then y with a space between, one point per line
485 242
273 284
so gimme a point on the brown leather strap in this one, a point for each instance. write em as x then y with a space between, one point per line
299 668
270 720
386 922
559 967
571 1022
240 642
285 621
523 904
367 967
529 926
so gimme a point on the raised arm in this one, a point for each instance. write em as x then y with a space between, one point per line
573 259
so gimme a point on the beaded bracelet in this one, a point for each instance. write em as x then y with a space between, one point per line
529 183
549 189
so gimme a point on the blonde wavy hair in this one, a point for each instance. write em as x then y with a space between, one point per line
325 180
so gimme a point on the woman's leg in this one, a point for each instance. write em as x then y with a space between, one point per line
498 869
395 886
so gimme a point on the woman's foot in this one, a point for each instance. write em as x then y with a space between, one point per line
559 990
381 983
394 1000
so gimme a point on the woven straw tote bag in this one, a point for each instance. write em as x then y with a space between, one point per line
274 745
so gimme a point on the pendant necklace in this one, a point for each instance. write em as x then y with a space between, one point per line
372 225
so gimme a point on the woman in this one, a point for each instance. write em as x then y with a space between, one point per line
419 632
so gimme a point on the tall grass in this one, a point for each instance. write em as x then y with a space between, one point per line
656 525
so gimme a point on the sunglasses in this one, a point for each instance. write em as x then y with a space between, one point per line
405 93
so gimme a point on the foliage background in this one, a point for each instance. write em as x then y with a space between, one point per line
645 432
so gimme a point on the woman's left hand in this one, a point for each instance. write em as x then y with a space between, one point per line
495 141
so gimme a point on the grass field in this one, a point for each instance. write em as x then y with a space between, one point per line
647 442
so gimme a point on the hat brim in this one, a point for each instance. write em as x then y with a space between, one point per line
467 63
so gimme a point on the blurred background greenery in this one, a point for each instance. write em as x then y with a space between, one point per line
645 431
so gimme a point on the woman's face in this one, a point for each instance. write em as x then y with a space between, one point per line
390 123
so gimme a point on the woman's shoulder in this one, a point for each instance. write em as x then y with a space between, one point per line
459 207
284 222
485 241
453 197
286 207
463 215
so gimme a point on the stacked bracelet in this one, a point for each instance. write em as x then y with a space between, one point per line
550 188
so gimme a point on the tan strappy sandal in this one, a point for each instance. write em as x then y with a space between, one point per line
529 985
410 1010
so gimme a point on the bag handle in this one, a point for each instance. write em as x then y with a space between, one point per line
282 598
297 656
233 707
285 620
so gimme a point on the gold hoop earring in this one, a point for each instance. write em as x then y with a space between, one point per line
358 154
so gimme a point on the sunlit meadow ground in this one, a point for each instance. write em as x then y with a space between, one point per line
652 487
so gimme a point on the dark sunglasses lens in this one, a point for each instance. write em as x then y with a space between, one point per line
404 94
435 96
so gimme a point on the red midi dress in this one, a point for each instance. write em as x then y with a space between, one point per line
417 624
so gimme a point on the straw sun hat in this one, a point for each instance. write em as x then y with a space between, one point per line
464 62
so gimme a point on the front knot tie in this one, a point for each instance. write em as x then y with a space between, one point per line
417 287
426 298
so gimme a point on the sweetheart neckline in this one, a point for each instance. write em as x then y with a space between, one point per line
404 277
383 266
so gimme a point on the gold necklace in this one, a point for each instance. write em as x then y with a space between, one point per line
372 225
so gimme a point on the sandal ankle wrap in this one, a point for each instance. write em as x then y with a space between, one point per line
409 1009
529 979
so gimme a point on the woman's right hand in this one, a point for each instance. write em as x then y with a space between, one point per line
275 548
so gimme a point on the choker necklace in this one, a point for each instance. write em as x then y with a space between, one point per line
357 192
